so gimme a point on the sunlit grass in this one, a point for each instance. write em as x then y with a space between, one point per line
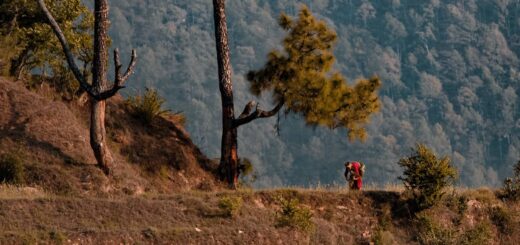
17 192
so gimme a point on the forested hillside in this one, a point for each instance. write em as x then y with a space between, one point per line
450 73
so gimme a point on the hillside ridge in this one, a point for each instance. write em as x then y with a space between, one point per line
51 136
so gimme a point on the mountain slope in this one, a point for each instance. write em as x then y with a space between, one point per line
449 70
51 137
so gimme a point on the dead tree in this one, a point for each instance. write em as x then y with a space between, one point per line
99 90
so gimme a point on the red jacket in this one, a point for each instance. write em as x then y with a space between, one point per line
356 167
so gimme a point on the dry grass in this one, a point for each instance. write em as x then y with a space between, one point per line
57 155
11 192
194 217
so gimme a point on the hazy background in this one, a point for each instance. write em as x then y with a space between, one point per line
450 71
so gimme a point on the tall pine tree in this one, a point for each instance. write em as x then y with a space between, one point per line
301 81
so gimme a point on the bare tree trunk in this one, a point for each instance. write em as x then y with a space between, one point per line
99 84
228 158
98 91
18 64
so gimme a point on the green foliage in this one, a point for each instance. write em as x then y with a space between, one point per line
57 237
11 169
382 237
8 50
432 233
302 77
292 215
425 176
502 218
511 188
481 234
459 204
147 106
247 175
230 206
32 44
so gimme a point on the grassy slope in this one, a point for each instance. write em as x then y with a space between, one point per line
339 216
155 194
51 136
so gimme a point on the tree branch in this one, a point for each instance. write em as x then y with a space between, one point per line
66 49
119 79
247 116
248 109
131 66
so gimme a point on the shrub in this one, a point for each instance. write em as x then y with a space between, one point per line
502 218
246 170
147 106
511 188
481 234
294 216
11 169
425 176
230 206
57 237
432 233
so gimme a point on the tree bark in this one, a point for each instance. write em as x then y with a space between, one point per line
229 157
18 64
99 84
98 90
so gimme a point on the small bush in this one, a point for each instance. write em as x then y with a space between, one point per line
246 170
459 204
481 234
57 237
425 176
230 206
432 233
147 106
294 216
511 188
11 169
503 219
383 237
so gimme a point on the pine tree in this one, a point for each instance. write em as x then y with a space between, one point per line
300 79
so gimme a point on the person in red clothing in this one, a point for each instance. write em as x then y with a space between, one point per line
354 174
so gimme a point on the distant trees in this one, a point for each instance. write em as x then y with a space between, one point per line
299 79
98 90
27 41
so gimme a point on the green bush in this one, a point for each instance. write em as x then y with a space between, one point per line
230 206
425 176
481 234
246 170
292 215
432 233
511 188
503 219
11 169
147 106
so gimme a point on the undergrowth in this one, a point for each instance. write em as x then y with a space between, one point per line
147 106
230 206
293 215
11 169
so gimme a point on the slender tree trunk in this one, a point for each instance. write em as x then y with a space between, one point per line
18 64
228 157
98 91
99 84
